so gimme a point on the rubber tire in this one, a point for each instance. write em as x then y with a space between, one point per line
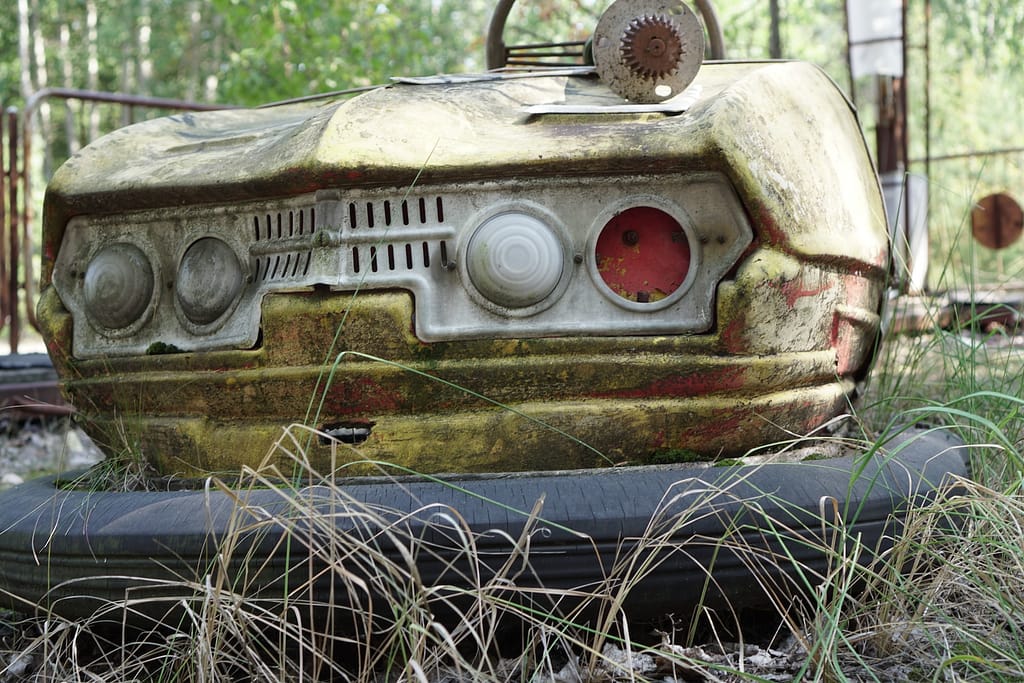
71 551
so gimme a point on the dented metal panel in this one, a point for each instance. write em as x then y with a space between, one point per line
384 239
348 330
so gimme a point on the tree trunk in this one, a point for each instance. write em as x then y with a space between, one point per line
93 64
25 49
72 107
775 38
143 36
194 57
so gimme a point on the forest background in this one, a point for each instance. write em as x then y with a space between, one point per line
963 60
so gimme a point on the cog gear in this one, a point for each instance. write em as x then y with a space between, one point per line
648 51
651 47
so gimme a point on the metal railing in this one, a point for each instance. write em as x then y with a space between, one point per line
17 203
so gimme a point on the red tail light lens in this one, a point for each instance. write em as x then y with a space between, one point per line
643 254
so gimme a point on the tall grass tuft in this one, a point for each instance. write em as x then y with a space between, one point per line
943 600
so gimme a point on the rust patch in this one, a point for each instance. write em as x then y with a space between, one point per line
705 383
733 336
713 430
765 224
361 395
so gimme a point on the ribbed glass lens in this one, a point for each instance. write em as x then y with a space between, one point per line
515 260
209 280
118 286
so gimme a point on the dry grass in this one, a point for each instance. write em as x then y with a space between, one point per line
945 602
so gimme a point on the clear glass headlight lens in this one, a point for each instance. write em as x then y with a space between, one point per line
515 260
118 285
209 280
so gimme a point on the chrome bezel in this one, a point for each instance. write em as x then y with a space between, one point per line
201 329
355 240
557 228
673 210
147 313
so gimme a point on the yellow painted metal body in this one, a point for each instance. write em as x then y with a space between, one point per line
794 322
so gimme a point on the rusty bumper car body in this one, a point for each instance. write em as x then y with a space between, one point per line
504 273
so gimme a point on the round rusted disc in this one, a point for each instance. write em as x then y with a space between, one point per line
997 221
648 50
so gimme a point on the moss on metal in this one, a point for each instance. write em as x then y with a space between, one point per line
794 322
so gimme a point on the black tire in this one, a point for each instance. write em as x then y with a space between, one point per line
71 551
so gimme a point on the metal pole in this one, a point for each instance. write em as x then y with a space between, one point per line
13 240
905 151
4 312
27 217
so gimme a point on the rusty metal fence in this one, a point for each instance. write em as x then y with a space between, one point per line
18 229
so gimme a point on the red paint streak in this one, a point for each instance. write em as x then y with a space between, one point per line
734 335
842 343
848 338
362 395
728 425
699 383
764 223
794 289
858 290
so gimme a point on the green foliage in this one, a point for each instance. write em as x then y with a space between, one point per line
249 53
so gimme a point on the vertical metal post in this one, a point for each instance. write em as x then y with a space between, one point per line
4 311
27 217
13 236
904 78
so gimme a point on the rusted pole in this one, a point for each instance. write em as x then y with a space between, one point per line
26 218
14 253
3 230
22 229
36 98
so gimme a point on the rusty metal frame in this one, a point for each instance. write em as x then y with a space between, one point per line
16 205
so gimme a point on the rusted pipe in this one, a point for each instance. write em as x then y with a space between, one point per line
13 255
36 98
27 214
26 222
716 37
3 230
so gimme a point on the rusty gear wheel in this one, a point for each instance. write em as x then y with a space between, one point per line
651 47
648 51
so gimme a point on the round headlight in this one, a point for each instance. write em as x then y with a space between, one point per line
515 260
209 280
118 285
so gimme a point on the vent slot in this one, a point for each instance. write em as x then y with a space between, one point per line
283 224
395 257
410 212
282 266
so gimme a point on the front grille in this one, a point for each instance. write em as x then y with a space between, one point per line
282 266
387 213
352 240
